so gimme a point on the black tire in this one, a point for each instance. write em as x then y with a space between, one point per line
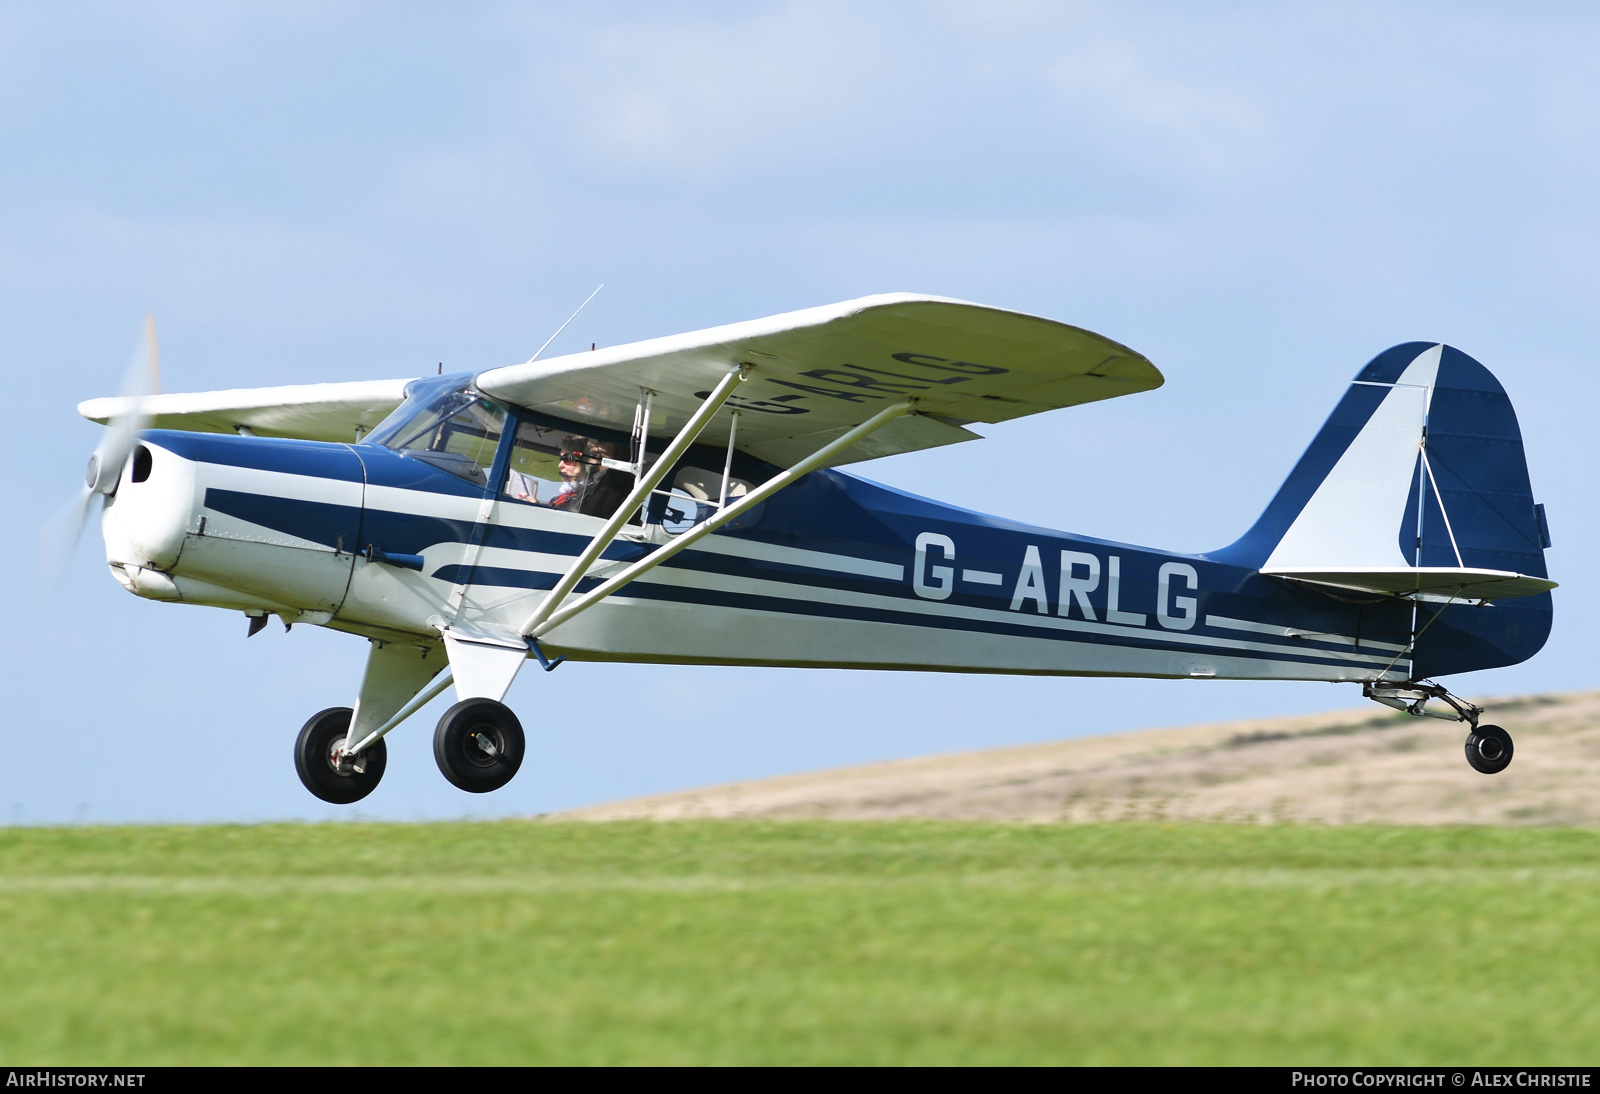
479 745
1489 749
313 759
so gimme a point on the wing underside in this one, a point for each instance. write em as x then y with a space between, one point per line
815 374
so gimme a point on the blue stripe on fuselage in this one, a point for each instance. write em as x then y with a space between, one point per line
828 512
1154 640
336 526
1303 652
316 459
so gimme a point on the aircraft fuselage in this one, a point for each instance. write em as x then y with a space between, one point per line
836 571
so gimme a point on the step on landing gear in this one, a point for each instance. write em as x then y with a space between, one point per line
1488 748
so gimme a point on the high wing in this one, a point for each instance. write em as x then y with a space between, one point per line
313 412
815 374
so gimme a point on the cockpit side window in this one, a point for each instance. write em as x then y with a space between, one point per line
456 431
565 471
535 464
695 496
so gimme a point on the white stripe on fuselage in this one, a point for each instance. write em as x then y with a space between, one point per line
402 503
697 579
510 558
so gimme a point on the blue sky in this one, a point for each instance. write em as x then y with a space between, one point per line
1258 197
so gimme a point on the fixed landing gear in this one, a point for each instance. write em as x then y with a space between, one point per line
479 745
327 774
1488 747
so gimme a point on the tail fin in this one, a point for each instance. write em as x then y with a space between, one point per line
1417 484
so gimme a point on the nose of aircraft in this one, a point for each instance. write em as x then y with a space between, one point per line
256 524
153 506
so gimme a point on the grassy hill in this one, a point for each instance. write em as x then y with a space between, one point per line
1364 766
799 942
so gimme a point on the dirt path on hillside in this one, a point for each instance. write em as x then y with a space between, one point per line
1344 767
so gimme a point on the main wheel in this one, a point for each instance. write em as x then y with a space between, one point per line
339 783
1489 749
479 745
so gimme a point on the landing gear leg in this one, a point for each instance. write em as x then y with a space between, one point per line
1488 747
328 773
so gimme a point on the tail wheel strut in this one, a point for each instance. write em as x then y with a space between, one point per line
1488 747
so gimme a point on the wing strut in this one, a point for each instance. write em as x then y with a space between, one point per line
644 482
547 619
641 491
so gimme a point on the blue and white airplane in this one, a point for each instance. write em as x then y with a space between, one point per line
675 501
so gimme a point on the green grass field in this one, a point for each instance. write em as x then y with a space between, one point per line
732 942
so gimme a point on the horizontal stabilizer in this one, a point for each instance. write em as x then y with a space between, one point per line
1429 581
310 412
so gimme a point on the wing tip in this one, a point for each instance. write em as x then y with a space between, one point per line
99 410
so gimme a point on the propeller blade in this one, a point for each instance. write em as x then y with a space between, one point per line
58 539
142 379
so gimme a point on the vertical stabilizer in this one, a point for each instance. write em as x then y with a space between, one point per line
1352 519
1417 486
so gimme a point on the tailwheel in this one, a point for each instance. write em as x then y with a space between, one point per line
328 774
1489 749
479 745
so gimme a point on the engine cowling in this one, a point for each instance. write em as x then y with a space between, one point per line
251 523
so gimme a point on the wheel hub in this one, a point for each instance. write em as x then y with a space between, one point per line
479 745
483 751
325 767
344 763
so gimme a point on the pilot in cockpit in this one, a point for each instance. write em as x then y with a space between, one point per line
584 484
607 487
574 471
573 474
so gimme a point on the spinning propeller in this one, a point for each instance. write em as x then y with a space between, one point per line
59 538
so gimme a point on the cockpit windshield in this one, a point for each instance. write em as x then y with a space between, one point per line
456 430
